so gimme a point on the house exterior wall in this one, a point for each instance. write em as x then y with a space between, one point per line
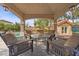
69 30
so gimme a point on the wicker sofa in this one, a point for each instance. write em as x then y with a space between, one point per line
16 47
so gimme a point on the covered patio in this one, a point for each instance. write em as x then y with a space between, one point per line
31 10
38 10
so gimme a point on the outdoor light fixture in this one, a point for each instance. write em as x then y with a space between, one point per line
5 8
77 6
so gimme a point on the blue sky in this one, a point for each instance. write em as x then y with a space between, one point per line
9 16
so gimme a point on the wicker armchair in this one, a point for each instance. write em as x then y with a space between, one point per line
16 47
62 46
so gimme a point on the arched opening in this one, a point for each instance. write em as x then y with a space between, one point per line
39 29
41 25
8 22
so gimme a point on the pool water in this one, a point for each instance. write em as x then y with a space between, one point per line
75 29
18 36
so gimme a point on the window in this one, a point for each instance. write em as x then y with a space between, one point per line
64 29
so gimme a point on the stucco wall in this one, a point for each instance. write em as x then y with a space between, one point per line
69 29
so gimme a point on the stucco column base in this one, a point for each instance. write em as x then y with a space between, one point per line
22 27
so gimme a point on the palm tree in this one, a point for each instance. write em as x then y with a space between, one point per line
40 22
17 27
75 12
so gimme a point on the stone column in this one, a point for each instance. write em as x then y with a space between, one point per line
55 26
22 27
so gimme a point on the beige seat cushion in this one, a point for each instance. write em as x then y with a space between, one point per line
10 39
73 42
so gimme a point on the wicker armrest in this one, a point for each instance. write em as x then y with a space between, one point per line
10 45
19 42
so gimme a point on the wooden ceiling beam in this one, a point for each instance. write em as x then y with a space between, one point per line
28 16
15 10
55 12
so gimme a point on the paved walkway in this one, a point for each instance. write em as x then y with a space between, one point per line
39 50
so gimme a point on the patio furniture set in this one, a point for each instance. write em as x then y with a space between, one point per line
18 45
55 46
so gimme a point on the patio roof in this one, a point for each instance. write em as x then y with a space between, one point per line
39 10
64 22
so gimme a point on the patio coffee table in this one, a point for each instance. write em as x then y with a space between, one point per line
36 38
